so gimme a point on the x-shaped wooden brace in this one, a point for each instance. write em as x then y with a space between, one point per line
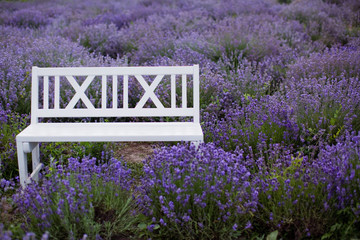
149 91
80 92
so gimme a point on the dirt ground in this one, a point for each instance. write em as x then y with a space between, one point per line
135 151
6 211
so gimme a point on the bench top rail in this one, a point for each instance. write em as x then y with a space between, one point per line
47 86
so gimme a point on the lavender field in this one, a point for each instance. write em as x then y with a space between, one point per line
280 111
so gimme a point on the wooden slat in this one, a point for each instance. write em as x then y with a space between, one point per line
184 93
46 92
126 91
34 95
98 71
173 91
34 175
120 112
115 92
196 84
80 92
113 132
149 91
103 92
57 93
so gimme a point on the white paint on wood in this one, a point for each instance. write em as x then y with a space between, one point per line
80 92
103 92
126 91
35 174
34 94
115 92
149 92
184 89
196 92
120 112
173 91
57 93
46 92
28 140
96 71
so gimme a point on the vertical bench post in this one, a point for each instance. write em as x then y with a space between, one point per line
22 162
196 92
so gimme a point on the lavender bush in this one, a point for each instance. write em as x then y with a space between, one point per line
5 234
324 22
27 18
201 194
342 159
296 195
290 201
79 198
23 48
10 124
255 123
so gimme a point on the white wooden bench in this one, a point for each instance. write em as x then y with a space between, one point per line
47 102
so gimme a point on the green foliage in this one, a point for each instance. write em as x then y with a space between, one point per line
230 49
114 210
9 128
291 206
18 0
61 150
108 212
234 53
258 131
285 1
137 171
23 105
325 124
273 235
346 226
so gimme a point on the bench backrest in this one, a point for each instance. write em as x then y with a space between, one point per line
47 87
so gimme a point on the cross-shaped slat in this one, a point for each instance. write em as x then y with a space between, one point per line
149 91
80 92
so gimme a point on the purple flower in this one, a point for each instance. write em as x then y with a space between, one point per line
162 222
235 226
151 227
248 225
186 218
171 205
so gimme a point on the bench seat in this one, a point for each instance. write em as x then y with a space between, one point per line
111 132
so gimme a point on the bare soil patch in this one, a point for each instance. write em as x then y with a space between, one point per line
8 212
134 151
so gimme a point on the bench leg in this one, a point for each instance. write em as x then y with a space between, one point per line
23 148
35 160
22 162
